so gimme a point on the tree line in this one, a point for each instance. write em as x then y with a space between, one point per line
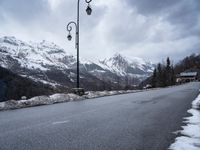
13 86
163 75
191 62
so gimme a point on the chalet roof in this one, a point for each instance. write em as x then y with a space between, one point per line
188 74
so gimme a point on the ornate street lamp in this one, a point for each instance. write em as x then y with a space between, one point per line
78 90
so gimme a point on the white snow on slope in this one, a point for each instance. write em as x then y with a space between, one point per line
32 55
190 139
122 65
41 60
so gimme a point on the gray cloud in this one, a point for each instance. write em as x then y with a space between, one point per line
23 10
151 7
152 29
184 15
186 18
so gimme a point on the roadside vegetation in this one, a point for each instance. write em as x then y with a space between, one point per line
165 73
14 86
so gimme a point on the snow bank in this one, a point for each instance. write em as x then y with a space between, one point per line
58 98
196 102
39 100
190 139
2 105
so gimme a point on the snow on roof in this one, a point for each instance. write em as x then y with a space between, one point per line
188 74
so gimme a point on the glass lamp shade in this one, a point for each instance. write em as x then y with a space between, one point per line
69 37
89 10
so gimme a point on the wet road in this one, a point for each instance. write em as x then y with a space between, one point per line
138 121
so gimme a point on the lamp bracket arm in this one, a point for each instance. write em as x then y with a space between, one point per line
88 1
69 26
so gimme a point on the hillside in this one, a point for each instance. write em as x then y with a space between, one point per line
13 86
50 64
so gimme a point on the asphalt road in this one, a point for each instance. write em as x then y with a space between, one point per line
138 121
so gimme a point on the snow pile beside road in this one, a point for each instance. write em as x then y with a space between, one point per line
39 100
190 139
58 98
196 103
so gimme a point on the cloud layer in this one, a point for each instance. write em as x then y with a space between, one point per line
150 29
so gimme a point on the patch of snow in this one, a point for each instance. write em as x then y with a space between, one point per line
96 70
49 82
190 139
95 94
57 98
2 105
22 75
72 80
39 100
74 97
196 103
35 101
85 61
150 70
185 143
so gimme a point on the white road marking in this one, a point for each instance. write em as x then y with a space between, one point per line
60 122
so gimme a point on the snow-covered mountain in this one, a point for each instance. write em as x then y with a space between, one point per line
34 55
123 66
48 63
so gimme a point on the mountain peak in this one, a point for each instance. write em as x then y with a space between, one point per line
10 40
9 37
122 65
48 43
47 57
118 56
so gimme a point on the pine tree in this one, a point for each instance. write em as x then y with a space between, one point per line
154 79
159 75
173 77
168 73
168 62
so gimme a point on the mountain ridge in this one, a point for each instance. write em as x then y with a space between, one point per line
45 61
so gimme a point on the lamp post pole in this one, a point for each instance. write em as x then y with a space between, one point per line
69 29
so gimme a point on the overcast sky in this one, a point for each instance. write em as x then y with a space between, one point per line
151 29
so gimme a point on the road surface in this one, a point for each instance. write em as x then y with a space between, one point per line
138 121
